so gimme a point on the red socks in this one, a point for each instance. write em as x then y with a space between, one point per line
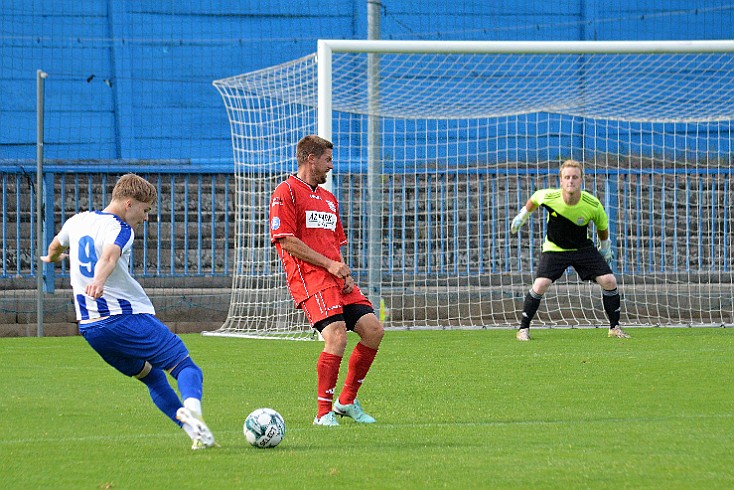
327 372
359 363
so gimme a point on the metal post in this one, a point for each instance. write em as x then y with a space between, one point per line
323 122
40 81
374 161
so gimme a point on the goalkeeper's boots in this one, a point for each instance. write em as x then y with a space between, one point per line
353 411
523 334
618 332
202 437
328 420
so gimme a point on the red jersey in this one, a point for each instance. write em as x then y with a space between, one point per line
312 216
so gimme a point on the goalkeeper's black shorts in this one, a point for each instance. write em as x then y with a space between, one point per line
588 263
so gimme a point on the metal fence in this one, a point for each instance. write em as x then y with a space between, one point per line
189 234
191 229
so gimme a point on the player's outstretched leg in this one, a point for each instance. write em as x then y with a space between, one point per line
190 384
161 392
201 436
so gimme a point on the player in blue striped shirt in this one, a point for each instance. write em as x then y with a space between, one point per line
115 315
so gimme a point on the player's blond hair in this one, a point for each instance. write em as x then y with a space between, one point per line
571 164
132 186
311 145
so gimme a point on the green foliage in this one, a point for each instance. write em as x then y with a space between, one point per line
455 409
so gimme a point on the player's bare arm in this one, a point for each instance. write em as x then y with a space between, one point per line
348 281
55 252
300 250
105 265
531 205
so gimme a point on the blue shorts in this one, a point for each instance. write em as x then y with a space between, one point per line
126 342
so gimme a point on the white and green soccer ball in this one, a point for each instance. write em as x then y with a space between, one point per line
264 428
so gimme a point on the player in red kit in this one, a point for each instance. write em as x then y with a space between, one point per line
307 232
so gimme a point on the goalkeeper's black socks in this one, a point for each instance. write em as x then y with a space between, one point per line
612 305
529 307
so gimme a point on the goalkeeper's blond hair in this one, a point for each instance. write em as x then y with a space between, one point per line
572 164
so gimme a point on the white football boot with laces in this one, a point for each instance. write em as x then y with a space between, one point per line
202 437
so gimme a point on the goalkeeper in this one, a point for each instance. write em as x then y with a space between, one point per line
567 243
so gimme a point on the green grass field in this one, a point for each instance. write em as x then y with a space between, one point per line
455 409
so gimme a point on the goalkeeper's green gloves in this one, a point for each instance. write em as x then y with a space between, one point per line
519 220
605 249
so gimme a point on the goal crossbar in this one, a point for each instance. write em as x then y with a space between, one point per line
523 47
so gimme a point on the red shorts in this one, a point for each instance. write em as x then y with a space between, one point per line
330 302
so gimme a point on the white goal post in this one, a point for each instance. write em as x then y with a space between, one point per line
439 143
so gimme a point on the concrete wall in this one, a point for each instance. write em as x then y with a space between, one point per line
132 79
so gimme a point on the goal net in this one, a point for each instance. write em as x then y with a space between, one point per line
438 144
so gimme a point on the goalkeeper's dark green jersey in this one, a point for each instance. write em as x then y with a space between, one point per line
568 226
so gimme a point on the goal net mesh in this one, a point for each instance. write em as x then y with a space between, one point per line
462 141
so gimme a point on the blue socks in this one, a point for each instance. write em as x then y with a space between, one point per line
190 379
164 397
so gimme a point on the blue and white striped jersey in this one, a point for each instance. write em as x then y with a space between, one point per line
86 234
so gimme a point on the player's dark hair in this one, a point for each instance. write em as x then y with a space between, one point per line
311 145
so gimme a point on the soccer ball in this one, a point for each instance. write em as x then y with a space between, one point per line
264 428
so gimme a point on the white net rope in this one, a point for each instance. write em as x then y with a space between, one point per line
651 87
267 119
464 140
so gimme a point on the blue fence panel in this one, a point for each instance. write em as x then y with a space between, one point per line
663 220
190 232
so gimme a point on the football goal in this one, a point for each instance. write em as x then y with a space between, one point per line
438 144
